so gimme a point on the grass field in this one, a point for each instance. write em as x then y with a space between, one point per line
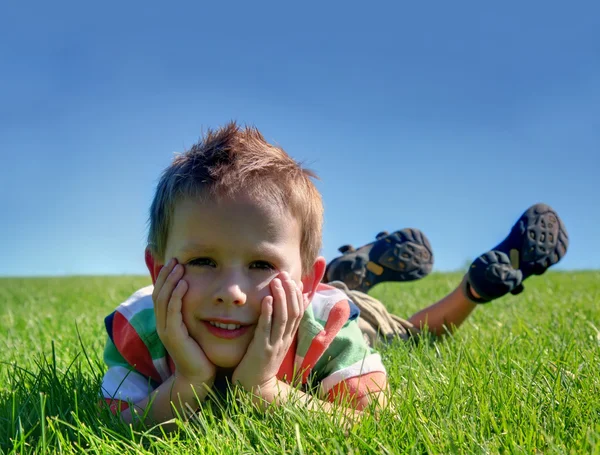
521 376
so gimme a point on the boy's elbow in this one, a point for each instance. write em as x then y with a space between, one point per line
377 399
362 392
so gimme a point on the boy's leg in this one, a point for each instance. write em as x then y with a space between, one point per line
446 315
404 255
537 241
375 322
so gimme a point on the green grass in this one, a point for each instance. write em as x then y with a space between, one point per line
521 376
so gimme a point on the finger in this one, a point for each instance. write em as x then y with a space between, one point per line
280 316
293 307
265 321
174 317
162 276
301 306
160 280
164 295
304 298
160 308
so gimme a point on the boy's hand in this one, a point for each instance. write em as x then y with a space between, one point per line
192 364
280 317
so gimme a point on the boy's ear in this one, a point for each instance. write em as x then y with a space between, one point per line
311 280
153 265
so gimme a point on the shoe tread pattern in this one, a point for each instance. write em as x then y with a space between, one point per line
491 275
404 255
544 239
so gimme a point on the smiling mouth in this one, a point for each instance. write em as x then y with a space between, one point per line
226 330
225 326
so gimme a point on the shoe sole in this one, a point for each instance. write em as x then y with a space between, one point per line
537 241
404 255
492 276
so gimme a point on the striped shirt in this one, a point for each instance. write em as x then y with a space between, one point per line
328 350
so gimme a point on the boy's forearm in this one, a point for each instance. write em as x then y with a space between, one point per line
284 393
446 315
170 399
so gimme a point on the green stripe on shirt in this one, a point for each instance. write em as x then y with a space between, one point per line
347 348
144 323
112 356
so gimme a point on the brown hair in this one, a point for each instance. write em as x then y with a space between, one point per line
230 159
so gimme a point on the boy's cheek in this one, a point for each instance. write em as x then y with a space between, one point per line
196 287
261 293
263 289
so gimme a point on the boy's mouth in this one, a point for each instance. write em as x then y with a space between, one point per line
225 326
226 329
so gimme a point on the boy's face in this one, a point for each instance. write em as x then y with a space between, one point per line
230 250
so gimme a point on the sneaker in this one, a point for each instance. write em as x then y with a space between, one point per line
404 255
537 241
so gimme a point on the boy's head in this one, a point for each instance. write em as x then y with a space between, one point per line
235 211
232 162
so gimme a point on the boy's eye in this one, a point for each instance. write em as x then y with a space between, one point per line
261 265
202 262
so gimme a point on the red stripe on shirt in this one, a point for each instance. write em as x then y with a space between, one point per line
338 316
132 348
286 370
116 406
353 389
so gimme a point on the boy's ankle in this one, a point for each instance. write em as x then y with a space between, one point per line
469 293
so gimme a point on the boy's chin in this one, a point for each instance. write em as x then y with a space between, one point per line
225 362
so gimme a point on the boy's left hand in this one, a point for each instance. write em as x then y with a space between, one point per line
280 317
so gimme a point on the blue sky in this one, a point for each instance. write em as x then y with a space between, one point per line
450 117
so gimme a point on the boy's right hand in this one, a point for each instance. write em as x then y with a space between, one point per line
191 363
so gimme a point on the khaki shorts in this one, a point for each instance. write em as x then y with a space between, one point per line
376 323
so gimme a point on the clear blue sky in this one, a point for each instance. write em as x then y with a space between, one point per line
452 117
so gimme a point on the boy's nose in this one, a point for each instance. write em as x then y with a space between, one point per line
230 292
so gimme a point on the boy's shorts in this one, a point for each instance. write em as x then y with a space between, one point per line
375 322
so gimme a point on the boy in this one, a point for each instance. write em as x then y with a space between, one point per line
234 236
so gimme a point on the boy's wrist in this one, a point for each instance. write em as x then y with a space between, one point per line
273 391
190 389
175 397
